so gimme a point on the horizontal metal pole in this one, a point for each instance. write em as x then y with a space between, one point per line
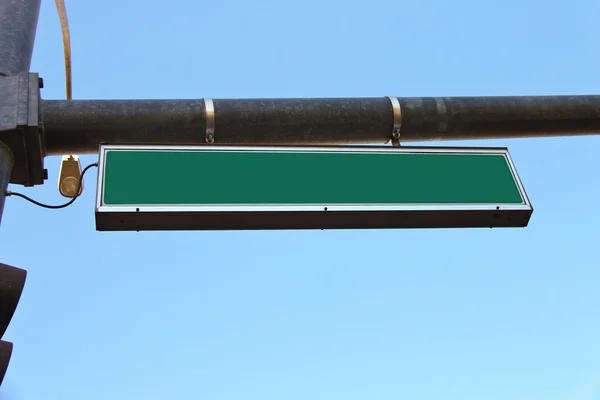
79 126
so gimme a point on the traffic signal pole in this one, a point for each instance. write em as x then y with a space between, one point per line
79 126
6 164
18 120
18 24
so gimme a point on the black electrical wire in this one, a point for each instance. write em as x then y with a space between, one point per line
37 203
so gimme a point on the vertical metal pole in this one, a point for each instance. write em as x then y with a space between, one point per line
18 24
6 164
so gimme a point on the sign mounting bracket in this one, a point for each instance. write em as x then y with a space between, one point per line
397 120
209 107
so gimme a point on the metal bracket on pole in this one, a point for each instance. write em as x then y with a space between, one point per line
397 120
21 127
209 106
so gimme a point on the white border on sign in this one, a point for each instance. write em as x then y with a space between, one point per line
150 208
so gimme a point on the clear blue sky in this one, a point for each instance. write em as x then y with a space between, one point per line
415 314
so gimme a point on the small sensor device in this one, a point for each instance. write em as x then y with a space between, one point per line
69 177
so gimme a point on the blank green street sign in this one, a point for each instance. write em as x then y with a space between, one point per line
348 187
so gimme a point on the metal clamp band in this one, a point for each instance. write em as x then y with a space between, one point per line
209 106
397 120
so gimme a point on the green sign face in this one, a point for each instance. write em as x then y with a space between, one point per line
216 187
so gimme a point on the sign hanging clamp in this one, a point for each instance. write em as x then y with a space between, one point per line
397 120
209 107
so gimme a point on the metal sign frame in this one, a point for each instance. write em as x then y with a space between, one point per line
308 216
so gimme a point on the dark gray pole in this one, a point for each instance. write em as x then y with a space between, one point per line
18 23
6 164
79 126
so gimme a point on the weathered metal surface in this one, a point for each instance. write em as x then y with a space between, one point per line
80 126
